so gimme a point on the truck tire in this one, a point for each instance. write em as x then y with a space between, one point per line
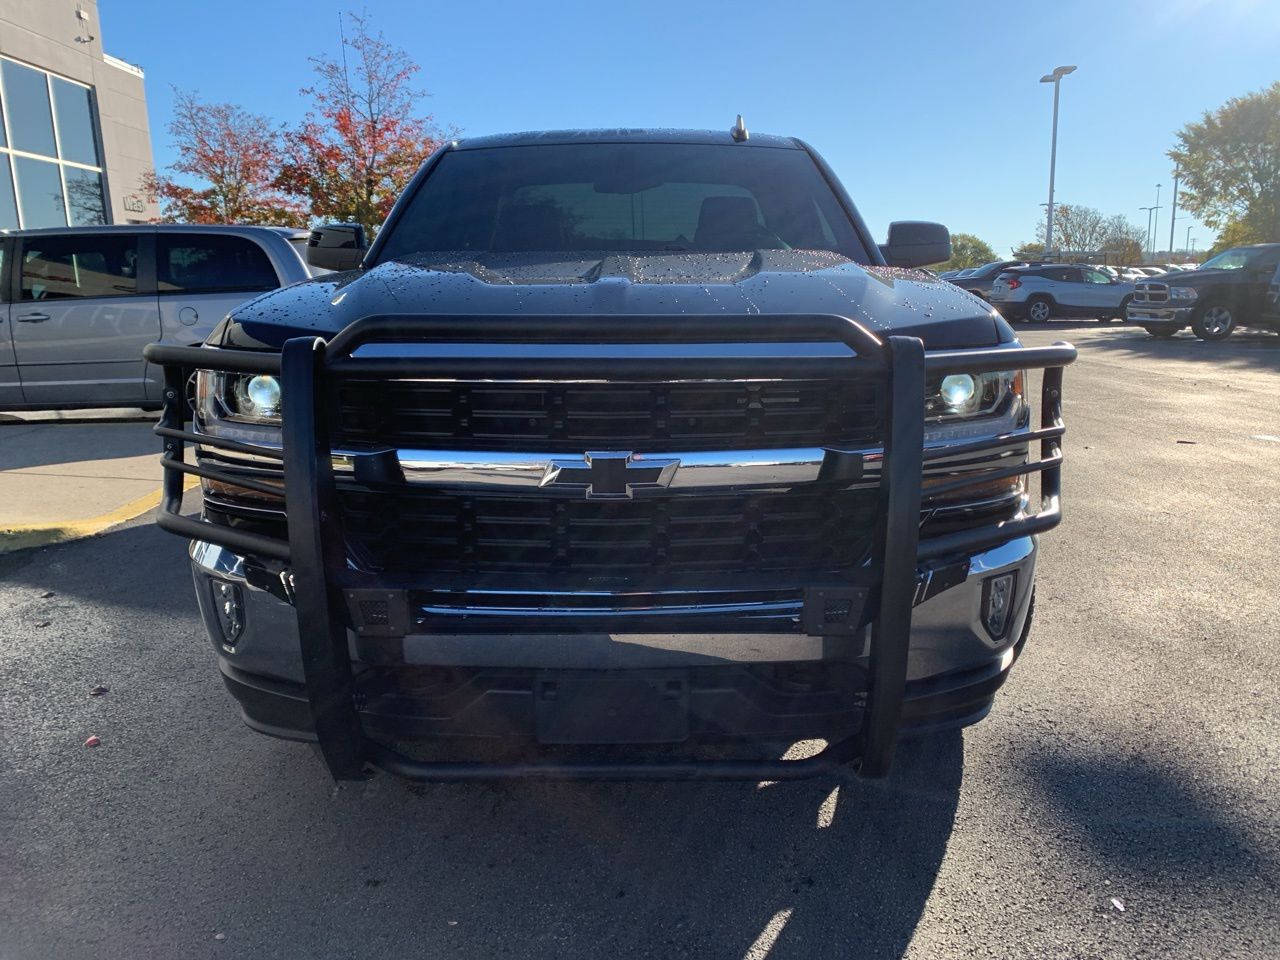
1214 321
1039 309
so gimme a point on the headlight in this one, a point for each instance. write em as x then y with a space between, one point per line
238 397
962 396
966 406
239 406
1182 293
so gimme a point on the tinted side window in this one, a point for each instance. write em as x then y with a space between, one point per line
69 268
205 263
1060 274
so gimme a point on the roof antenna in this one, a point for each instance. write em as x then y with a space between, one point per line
739 131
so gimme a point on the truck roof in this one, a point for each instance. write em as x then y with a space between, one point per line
625 135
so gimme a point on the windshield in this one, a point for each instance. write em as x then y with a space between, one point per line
1237 258
633 197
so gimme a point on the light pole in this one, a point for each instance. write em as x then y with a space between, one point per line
1173 208
1055 78
1187 245
1146 241
1155 229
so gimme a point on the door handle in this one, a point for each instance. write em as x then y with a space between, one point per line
33 318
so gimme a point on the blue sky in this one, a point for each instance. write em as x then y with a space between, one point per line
925 110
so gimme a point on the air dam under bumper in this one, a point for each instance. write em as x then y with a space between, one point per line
784 685
1159 317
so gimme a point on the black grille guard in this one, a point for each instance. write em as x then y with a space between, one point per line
315 553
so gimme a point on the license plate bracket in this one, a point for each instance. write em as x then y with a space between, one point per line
601 708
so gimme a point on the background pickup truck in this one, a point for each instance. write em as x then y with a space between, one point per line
627 452
1227 291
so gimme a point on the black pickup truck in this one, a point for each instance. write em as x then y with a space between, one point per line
618 454
1226 291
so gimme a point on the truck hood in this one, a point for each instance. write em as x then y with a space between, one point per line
886 300
1189 278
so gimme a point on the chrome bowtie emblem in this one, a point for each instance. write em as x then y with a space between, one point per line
609 476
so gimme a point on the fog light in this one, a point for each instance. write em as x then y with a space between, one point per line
229 607
997 603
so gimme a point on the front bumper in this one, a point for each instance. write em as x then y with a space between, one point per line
485 683
861 613
1159 316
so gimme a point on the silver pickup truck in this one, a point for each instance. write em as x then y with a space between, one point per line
618 454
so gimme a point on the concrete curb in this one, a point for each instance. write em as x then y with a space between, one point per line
29 536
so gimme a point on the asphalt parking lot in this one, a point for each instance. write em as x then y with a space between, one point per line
1123 799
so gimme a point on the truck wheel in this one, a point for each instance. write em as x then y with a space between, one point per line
1039 309
1214 322
1161 333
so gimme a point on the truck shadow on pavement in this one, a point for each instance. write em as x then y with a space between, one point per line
184 822
827 868
1153 824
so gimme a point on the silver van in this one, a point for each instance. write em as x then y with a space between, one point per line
78 304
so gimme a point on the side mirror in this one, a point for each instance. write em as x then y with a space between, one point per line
915 243
336 246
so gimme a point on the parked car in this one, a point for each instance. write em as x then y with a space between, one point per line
80 303
1152 271
1060 290
978 281
1131 274
442 486
1228 291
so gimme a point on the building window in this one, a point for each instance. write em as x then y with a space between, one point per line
50 163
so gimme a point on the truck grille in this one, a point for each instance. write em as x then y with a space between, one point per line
573 417
1151 292
413 531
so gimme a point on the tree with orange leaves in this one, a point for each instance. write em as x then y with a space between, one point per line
233 157
356 151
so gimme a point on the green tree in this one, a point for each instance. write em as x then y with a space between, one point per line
1076 229
1122 240
966 251
1230 166
1238 233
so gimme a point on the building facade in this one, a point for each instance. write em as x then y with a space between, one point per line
74 137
